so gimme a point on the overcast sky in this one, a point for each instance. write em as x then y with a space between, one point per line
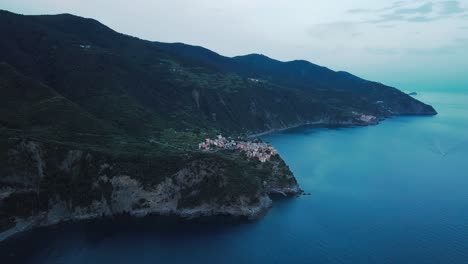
412 44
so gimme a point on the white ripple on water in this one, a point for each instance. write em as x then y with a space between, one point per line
437 147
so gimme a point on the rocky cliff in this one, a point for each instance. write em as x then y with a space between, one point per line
44 183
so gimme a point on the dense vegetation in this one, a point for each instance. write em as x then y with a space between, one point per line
83 77
71 83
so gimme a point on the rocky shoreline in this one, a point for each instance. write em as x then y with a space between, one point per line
326 122
59 214
318 123
114 193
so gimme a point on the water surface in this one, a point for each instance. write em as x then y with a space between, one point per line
392 193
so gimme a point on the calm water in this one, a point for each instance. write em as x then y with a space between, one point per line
393 193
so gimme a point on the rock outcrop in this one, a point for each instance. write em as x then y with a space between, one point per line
44 184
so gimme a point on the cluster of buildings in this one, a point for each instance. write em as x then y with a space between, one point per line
253 80
368 118
365 118
255 150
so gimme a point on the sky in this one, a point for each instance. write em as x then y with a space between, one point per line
412 44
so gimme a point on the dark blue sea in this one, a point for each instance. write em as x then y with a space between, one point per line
392 193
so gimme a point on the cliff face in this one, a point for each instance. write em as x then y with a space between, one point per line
44 184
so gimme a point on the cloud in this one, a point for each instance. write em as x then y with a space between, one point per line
358 11
386 18
395 5
451 7
362 10
423 9
396 18
423 19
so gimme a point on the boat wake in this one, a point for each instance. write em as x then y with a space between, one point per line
443 150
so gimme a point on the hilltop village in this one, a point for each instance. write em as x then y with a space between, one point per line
254 150
367 119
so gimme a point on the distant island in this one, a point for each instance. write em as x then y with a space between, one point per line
96 123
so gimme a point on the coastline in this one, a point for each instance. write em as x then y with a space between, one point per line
250 212
100 210
319 123
338 124
46 219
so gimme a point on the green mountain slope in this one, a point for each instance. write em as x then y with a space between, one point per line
94 122
140 87
26 104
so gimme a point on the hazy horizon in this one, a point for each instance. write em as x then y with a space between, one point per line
412 45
